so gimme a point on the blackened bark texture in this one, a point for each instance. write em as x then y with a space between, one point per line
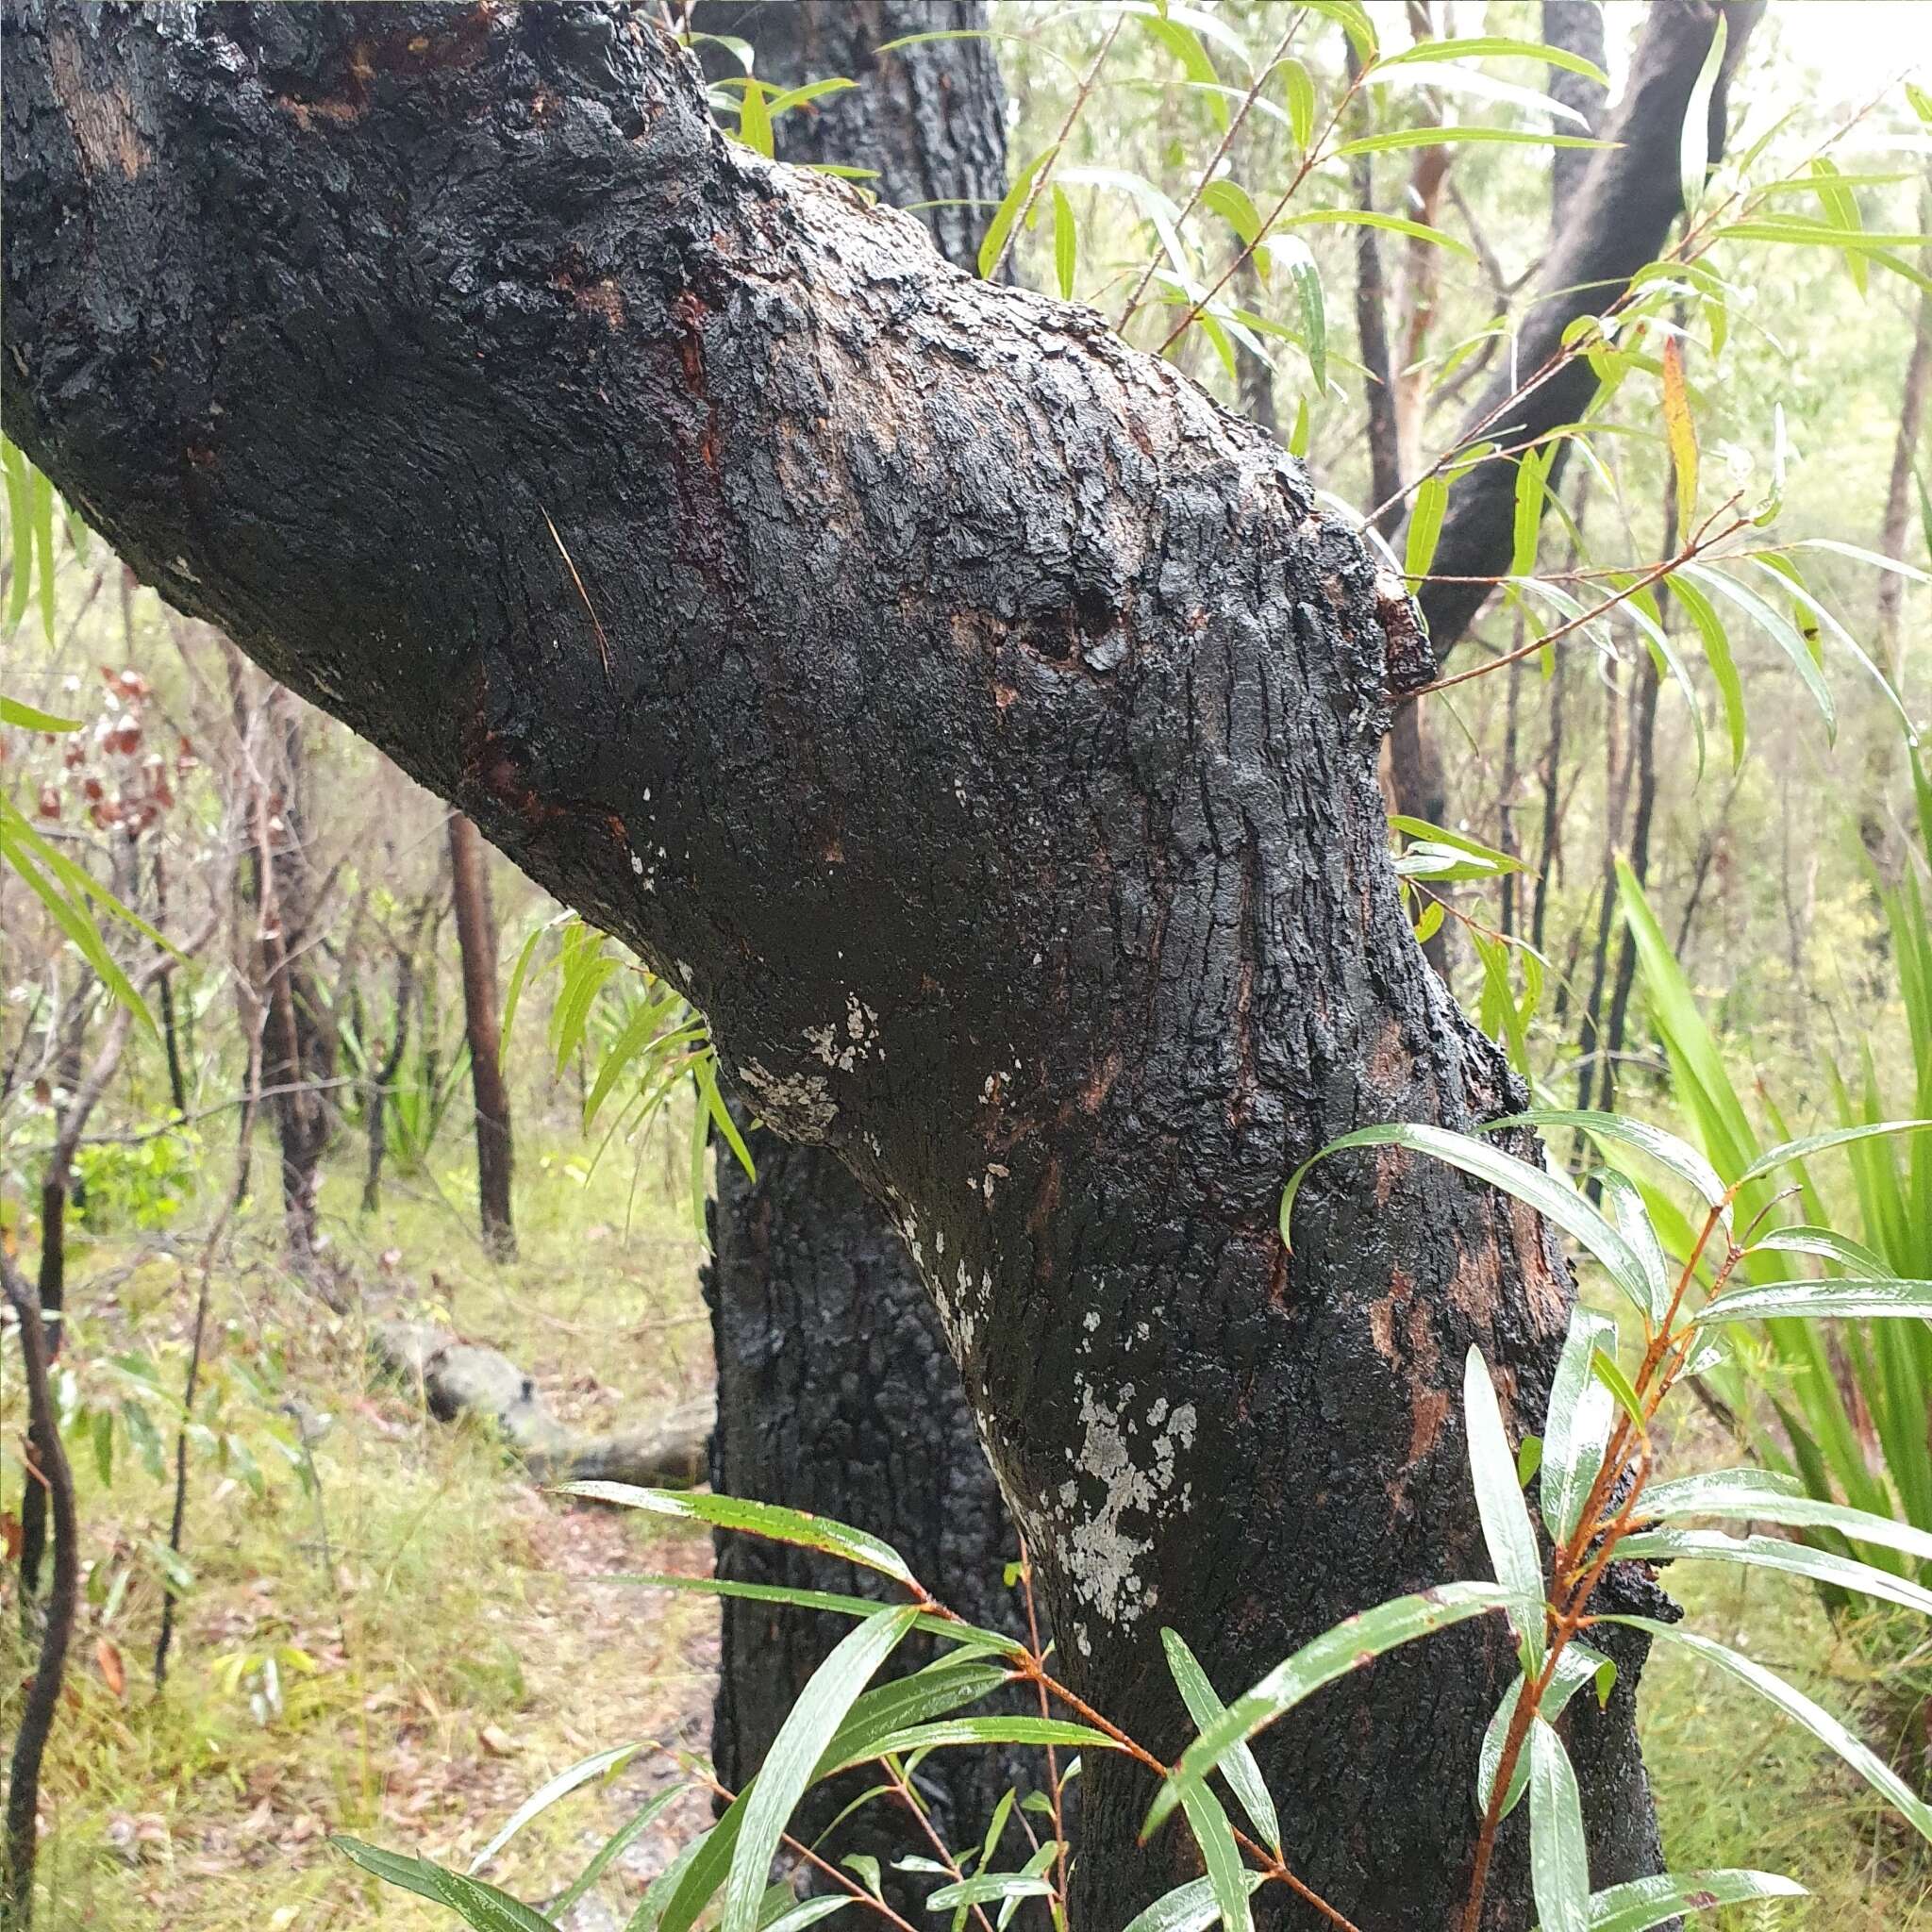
1617 220
837 1394
978 722
836 1390
469 865
929 120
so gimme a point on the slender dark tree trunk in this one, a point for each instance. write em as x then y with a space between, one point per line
1611 223
835 1389
278 890
469 868
980 723
53 1480
1642 812
1414 771
171 1032
383 1078
1899 489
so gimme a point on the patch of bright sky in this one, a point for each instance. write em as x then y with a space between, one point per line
1853 47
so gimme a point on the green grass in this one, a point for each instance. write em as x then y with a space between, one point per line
1737 1784
441 1638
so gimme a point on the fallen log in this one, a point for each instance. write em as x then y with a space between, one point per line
458 1378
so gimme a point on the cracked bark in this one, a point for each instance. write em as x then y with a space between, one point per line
986 740
835 1391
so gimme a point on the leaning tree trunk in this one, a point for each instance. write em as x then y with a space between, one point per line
977 721
835 1391
1612 223
469 865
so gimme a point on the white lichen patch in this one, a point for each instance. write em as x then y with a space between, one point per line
1133 1479
842 1049
799 1105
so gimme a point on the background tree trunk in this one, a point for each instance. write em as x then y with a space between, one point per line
278 890
985 739
1612 224
836 1390
469 865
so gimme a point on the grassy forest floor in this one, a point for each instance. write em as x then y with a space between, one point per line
445 1638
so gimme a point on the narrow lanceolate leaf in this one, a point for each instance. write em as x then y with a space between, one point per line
1680 431
1576 1666
756 1519
1498 47
1369 218
1299 90
1191 1907
1605 1367
25 716
1819 1301
1505 1515
1815 1719
1679 1156
1693 158
1764 1497
1628 1209
1238 1767
967 1636
1724 669
1353 1642
1459 137
1640 1903
565 1782
1554 1200
479 1905
1778 628
1226 1874
1532 477
1425 527
1292 254
809 1912
613 1848
992 249
1558 1854
1826 1244
1578 1428
1066 242
1835 1137
1774 1553
987 1890
1038 1731
808 1727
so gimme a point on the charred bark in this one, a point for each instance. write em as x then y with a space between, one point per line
977 723
837 1394
835 1391
469 866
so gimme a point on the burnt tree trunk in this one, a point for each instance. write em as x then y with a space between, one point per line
469 865
1610 223
980 723
836 1390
